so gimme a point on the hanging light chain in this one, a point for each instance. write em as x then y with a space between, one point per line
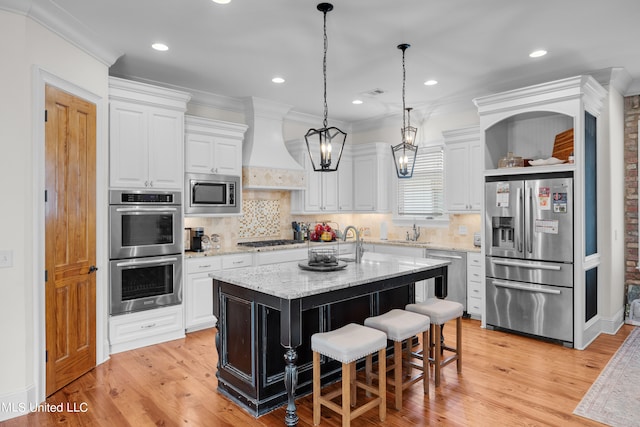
324 70
404 123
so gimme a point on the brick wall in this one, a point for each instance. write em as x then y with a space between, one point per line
631 117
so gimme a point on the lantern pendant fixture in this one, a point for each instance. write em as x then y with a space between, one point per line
325 145
404 154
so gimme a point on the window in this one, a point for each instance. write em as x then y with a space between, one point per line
423 194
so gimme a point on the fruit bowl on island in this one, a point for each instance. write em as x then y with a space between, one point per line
322 233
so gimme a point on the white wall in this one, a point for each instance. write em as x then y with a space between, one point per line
25 45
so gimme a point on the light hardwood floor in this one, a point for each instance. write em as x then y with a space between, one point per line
507 380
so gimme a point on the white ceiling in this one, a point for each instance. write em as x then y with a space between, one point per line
472 47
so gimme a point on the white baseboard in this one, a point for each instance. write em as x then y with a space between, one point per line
17 404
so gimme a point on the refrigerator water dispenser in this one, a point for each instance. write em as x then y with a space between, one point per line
503 232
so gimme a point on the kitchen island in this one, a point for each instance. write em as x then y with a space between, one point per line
267 314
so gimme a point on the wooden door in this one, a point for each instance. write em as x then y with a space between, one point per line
70 238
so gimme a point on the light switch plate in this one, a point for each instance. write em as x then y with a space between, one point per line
462 230
6 259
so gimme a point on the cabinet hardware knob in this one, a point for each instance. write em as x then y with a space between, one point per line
92 269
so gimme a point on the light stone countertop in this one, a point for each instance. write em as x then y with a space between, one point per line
405 243
287 280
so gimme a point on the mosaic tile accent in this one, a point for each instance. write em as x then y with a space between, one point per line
261 218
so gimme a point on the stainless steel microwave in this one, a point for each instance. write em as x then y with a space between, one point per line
212 194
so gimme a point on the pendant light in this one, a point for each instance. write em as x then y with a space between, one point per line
404 154
325 145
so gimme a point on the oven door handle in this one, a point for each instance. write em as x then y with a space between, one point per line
525 265
147 209
150 261
525 288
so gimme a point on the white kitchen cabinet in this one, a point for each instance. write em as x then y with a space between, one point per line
372 168
345 182
198 292
143 328
323 189
475 285
285 255
213 146
146 134
463 170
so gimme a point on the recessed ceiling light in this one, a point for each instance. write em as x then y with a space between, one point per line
222 1
538 53
356 101
277 80
430 82
160 46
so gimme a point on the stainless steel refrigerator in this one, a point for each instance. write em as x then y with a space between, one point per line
529 255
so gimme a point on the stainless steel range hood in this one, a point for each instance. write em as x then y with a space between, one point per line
266 162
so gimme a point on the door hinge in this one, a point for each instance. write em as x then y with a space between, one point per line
46 356
46 196
46 115
46 276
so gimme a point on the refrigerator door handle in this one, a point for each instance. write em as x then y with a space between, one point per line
518 229
525 265
529 221
525 288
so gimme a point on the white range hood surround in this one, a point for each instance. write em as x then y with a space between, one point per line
266 162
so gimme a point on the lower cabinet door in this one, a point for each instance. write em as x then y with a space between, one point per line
199 302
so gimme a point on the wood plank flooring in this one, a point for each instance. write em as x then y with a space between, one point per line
507 380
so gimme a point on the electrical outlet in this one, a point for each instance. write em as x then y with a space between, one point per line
6 259
367 231
462 230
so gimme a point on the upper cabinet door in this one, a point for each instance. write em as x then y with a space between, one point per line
128 150
213 146
166 133
146 135
463 172
228 157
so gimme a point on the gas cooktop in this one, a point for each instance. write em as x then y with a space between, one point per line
263 243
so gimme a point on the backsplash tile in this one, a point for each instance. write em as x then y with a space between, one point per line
261 218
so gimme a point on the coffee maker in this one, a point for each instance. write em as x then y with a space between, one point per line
196 239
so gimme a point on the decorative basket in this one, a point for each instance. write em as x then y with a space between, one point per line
323 256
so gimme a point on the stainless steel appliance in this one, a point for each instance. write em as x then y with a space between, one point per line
212 194
146 243
456 279
529 248
144 223
145 283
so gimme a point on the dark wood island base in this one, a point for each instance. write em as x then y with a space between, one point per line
264 340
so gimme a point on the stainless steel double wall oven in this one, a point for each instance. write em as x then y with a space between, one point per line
145 250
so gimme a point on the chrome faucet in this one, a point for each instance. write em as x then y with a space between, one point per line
416 234
359 242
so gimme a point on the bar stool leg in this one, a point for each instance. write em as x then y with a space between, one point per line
437 353
397 373
346 395
382 383
316 388
354 389
425 361
459 344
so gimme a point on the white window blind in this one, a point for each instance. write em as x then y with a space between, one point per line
423 194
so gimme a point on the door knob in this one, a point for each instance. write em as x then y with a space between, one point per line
92 269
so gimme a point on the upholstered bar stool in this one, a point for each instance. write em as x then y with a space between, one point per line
440 311
401 325
347 345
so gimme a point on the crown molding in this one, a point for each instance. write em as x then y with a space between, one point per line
51 16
